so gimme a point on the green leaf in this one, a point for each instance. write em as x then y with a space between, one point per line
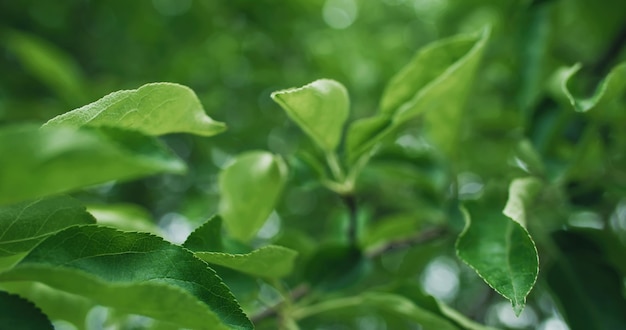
54 160
502 252
609 89
56 304
522 193
588 290
335 266
24 225
250 188
129 217
49 64
395 304
133 272
270 261
21 314
435 83
365 133
207 237
319 108
153 109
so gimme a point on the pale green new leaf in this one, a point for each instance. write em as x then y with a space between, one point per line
24 225
136 273
435 83
270 261
502 252
609 89
250 187
129 217
38 162
153 109
319 108
19 313
522 193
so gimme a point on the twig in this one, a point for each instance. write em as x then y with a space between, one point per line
422 237
295 294
350 202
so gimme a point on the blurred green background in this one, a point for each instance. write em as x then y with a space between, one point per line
57 56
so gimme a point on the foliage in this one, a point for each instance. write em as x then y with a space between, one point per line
463 161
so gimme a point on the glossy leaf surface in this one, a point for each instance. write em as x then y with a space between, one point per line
502 252
133 272
24 225
153 109
319 108
40 160
250 188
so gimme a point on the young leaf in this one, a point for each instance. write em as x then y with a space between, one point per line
502 252
435 83
207 237
24 225
522 192
250 188
134 272
270 261
610 88
319 108
49 161
153 109
19 313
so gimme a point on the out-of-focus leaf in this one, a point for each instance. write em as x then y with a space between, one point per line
49 64
125 217
412 291
153 109
395 304
502 252
270 261
435 83
207 237
37 163
135 273
587 289
610 88
335 266
319 108
250 188
522 193
56 304
392 228
19 313
24 225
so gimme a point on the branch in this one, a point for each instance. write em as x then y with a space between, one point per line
295 294
350 202
422 237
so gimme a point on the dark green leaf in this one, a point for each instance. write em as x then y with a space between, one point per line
335 266
135 273
501 251
24 225
153 109
588 290
19 313
49 161
319 108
